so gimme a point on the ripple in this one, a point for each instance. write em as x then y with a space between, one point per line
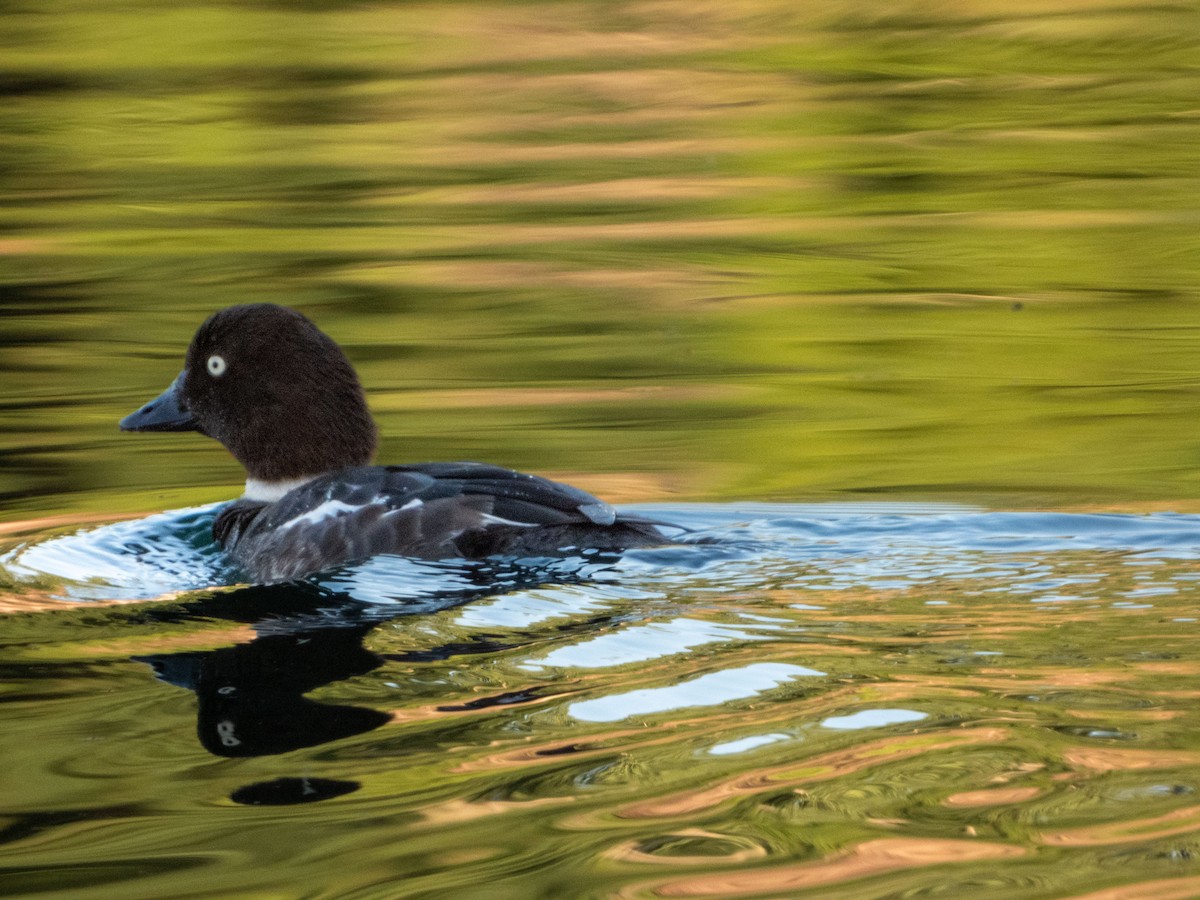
691 846
707 690
1179 821
884 547
645 642
766 690
873 718
137 559
746 744
875 857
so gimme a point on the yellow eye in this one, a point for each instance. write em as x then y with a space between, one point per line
216 366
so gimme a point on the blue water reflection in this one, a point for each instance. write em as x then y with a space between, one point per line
873 718
712 689
645 642
746 744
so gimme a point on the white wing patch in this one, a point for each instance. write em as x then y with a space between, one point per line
411 505
489 519
327 510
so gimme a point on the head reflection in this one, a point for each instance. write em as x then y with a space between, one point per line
250 695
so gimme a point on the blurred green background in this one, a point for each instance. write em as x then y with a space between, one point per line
668 250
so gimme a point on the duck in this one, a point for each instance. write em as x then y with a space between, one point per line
282 397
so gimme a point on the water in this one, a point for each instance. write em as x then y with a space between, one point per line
856 698
894 305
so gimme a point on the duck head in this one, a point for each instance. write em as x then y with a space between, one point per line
275 390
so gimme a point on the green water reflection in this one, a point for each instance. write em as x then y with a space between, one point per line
699 251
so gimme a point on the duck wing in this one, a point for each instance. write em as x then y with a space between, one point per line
430 511
518 498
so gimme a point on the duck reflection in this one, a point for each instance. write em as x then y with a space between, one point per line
251 696
251 699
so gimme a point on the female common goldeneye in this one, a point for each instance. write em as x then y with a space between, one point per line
284 400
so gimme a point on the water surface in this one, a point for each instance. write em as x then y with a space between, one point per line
864 698
895 305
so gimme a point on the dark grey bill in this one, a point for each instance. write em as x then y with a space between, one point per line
163 413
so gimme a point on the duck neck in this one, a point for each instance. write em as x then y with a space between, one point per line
263 491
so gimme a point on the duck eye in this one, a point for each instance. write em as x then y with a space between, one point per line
216 366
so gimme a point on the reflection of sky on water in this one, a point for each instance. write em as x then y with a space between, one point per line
522 609
873 718
707 690
644 642
747 744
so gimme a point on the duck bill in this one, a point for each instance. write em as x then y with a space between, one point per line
164 413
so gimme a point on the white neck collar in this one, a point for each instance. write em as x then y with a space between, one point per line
270 491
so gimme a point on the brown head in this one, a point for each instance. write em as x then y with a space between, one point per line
274 389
